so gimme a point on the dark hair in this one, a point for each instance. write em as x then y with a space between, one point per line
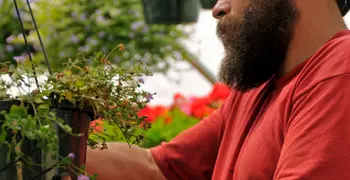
344 6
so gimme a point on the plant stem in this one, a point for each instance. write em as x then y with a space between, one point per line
19 164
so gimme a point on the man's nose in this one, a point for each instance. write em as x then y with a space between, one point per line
221 8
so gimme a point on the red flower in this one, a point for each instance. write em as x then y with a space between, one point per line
152 113
97 125
200 108
179 96
220 92
167 119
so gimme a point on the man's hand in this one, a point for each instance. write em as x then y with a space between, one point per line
66 178
120 161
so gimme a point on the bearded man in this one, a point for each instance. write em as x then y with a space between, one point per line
288 115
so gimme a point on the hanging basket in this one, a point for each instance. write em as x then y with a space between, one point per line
79 121
208 4
171 11
42 165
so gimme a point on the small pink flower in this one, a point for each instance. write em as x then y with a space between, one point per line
20 59
141 81
10 39
71 155
149 97
83 177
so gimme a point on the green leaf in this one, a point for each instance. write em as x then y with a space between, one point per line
79 84
38 100
66 161
44 129
66 128
43 109
3 112
18 111
3 136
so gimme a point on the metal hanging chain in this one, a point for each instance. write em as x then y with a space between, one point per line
26 43
39 37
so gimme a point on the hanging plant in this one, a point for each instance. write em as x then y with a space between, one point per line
44 129
171 11
208 4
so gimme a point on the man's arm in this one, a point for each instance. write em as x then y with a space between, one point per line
317 135
190 155
120 161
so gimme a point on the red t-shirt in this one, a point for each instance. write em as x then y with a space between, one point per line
294 127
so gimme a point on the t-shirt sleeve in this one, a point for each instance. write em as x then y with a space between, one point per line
192 154
317 135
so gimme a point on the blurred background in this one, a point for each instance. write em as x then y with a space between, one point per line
176 39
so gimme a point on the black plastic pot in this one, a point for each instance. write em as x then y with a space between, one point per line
171 11
77 119
208 4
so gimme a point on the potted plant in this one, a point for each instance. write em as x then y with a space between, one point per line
208 4
171 11
43 126
168 121
44 129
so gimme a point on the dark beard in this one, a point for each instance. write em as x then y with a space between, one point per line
256 43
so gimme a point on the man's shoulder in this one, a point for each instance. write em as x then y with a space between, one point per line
333 57
332 60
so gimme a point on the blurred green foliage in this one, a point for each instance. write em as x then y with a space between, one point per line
162 131
69 27
9 26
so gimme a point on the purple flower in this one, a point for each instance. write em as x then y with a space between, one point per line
100 18
136 25
10 39
141 81
20 59
83 177
98 11
177 55
101 34
83 17
84 48
74 39
62 54
94 42
145 29
71 155
149 97
74 14
9 48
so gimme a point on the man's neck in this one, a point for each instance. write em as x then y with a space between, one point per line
316 25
